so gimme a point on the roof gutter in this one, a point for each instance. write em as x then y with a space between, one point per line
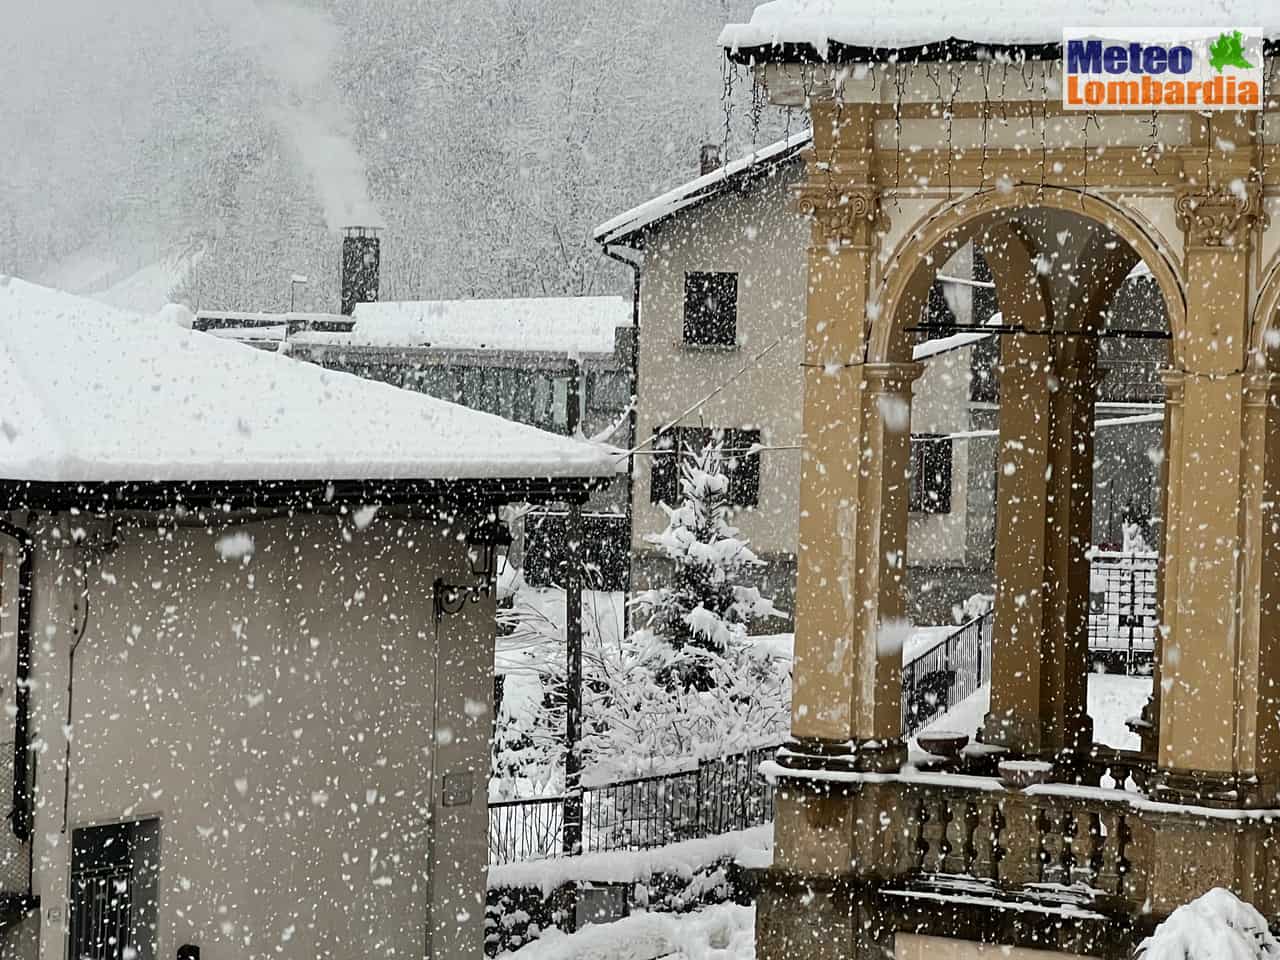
21 816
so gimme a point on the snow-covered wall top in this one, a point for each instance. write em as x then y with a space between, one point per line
569 325
89 393
911 23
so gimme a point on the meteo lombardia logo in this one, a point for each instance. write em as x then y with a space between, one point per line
1162 68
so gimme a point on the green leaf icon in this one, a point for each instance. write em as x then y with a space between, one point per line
1228 51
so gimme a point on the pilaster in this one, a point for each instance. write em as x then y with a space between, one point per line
1210 657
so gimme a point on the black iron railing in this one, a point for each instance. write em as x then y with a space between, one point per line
937 679
1122 609
719 795
15 854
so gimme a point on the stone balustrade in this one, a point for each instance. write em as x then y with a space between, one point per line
1107 850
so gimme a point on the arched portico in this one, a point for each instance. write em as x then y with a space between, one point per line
1214 740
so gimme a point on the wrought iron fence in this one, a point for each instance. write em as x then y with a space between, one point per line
946 673
1122 609
719 795
15 854
525 829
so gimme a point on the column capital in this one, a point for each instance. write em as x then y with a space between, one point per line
1219 218
887 378
1174 386
1258 387
843 217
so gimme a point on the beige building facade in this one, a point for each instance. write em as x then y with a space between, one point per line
741 221
869 848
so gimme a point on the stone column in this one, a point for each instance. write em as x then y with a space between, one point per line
1065 725
853 493
1022 464
1150 730
1207 664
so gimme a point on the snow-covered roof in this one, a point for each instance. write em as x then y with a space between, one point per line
861 26
699 189
91 394
568 325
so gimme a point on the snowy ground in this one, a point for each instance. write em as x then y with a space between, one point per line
725 931
1112 700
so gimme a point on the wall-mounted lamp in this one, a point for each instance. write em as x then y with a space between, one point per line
483 540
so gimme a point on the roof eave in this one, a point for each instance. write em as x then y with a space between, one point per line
952 50
635 236
303 496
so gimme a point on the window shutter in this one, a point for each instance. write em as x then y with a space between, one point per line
744 469
711 309
665 468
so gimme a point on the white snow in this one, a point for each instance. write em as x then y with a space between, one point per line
1217 925
725 931
569 325
1113 699
627 866
148 289
940 345
696 190
235 546
89 393
910 23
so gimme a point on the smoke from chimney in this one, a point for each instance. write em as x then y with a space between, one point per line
361 258
709 158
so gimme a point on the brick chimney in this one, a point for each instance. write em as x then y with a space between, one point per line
361 257
709 158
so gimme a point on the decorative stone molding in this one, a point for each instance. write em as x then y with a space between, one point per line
1174 382
860 756
1259 388
849 216
1219 218
891 378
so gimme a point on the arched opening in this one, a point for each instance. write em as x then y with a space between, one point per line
1084 325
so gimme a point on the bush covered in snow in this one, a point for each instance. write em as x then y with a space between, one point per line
1216 926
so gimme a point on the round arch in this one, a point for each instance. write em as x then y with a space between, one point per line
1265 322
965 218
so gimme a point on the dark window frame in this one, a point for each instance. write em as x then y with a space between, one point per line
743 468
931 475
711 309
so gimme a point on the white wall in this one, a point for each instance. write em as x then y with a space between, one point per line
760 236
276 715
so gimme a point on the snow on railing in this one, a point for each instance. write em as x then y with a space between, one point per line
718 796
940 677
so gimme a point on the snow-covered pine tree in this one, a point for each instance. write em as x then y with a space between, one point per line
689 683
705 602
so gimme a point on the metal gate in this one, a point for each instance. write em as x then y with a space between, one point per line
101 913
1123 619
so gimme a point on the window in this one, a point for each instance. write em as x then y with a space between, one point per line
938 315
114 874
608 391
984 360
711 309
930 490
741 463
606 542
